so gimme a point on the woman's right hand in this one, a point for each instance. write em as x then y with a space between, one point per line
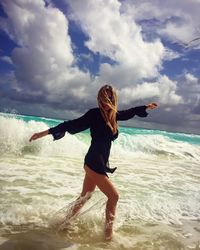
34 137
38 135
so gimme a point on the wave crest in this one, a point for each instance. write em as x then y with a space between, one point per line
15 134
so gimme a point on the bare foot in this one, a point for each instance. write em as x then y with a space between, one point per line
109 232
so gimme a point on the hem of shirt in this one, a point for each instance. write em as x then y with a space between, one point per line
98 172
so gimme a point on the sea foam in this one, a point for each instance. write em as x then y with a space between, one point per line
15 134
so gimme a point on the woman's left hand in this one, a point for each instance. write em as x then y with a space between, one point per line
152 105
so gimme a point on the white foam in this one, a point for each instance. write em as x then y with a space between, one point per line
157 177
154 146
15 134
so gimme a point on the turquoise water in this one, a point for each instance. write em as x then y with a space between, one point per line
190 138
158 179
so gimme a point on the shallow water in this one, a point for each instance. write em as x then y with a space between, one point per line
158 178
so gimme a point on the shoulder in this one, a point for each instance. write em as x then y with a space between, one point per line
94 110
91 113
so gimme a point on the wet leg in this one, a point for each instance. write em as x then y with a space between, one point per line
105 185
88 188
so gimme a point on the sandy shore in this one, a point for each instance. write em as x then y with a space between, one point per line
147 236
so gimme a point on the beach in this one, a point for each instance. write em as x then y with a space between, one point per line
157 177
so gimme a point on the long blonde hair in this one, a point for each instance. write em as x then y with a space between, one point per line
103 98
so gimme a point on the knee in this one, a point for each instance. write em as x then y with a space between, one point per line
117 197
114 197
86 197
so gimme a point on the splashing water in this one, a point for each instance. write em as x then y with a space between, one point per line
158 179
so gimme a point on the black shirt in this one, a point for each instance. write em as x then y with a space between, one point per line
102 136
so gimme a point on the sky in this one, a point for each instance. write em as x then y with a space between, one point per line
56 54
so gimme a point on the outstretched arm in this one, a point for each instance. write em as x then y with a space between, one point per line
38 135
139 111
72 126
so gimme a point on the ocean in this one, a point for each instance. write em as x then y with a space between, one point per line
157 177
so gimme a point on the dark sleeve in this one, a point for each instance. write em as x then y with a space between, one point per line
72 126
124 115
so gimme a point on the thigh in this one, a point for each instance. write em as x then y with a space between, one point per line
103 183
88 185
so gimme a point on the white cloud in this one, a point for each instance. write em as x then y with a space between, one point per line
189 88
45 64
171 54
6 59
182 32
117 36
163 91
44 60
139 92
176 20
168 93
87 57
191 78
47 68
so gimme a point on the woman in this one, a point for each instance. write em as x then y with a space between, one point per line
103 126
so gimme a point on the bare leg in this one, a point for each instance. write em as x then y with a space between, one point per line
88 188
109 190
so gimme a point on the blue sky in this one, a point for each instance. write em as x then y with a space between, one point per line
55 55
